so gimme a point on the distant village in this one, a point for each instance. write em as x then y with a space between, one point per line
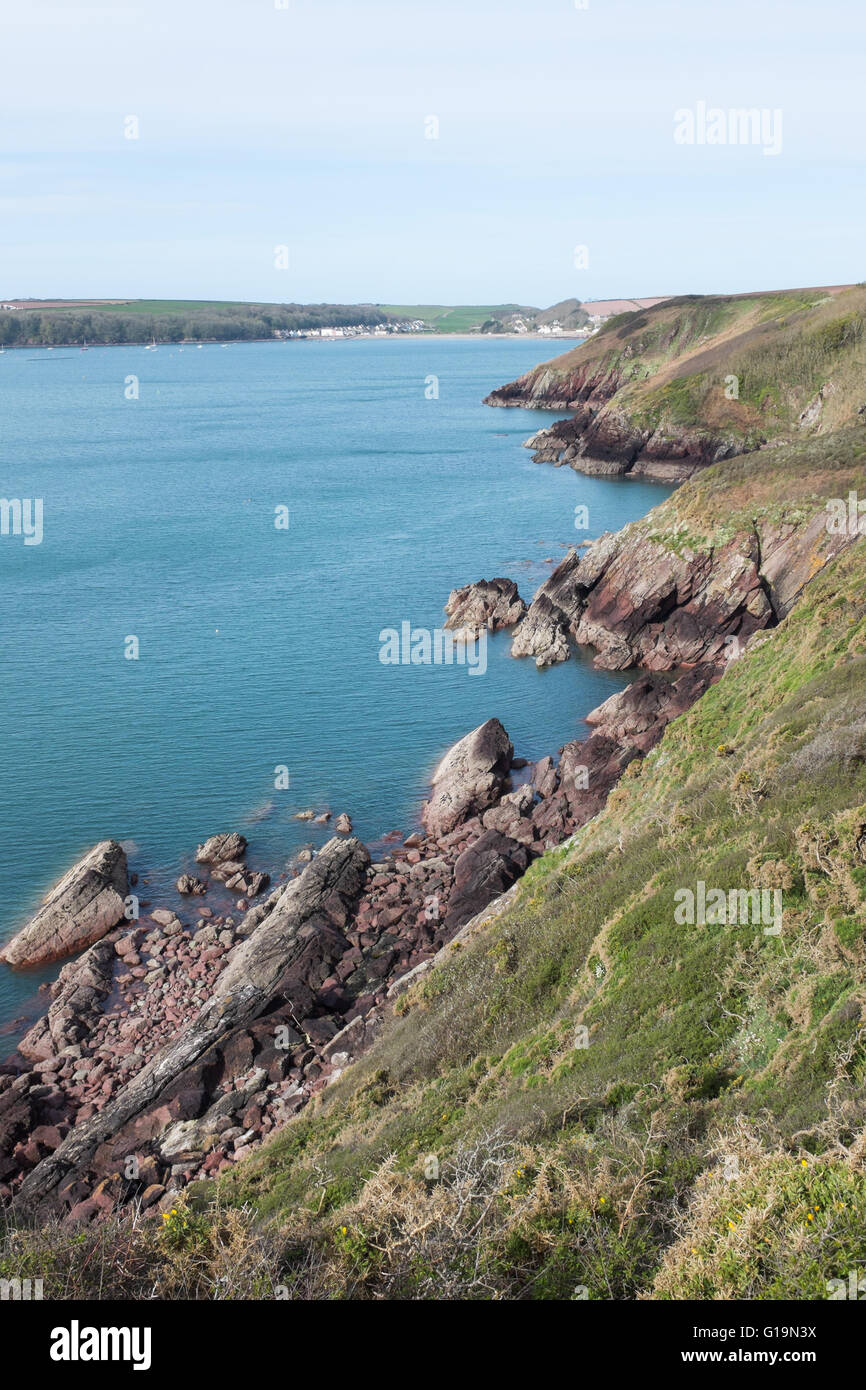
356 330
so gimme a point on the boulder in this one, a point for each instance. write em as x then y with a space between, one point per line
293 949
482 872
85 905
187 884
510 815
490 604
470 777
544 776
219 848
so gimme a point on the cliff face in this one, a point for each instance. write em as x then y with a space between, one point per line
610 442
693 582
186 1044
669 390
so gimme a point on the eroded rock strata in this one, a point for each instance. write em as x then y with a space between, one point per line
172 1048
488 604
176 1044
601 437
641 599
86 904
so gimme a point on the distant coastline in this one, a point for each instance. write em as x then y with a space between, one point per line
571 337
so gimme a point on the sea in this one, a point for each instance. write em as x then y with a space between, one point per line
191 634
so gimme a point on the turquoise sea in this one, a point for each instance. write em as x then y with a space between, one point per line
258 646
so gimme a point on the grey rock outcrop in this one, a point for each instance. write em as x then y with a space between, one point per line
82 908
219 848
489 603
470 777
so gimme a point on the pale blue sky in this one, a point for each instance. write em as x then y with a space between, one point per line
305 126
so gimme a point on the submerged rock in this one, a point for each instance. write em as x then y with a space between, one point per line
83 907
187 885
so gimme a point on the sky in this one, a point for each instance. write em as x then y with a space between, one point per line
461 151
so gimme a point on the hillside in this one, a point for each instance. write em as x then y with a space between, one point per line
49 323
691 381
170 321
491 318
615 1101
591 1093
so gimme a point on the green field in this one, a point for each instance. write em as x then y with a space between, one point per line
160 306
453 318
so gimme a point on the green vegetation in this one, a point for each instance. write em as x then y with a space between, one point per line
174 321
741 370
586 1099
488 318
455 318
202 320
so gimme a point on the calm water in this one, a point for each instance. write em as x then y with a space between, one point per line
259 647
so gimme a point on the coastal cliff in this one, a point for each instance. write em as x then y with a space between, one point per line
693 581
446 1067
185 1042
667 391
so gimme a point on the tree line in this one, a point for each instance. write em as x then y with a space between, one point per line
58 327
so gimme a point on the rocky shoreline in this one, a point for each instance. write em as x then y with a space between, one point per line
600 438
178 1041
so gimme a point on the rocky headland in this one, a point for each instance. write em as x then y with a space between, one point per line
176 1041
666 391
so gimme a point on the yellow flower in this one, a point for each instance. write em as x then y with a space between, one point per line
804 1163
344 1230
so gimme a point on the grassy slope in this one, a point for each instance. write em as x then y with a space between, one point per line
708 1141
456 318
707 1046
155 306
674 361
446 318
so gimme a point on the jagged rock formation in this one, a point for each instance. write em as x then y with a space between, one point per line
469 778
161 1042
613 444
292 949
670 389
85 905
644 599
489 603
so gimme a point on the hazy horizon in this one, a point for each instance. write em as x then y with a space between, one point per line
401 156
